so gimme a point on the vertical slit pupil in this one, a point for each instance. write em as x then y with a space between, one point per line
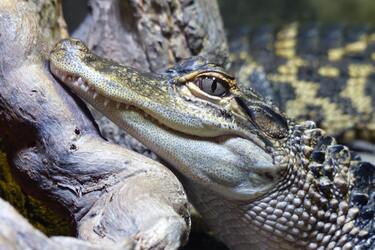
213 86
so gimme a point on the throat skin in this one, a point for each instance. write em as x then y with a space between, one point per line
220 212
184 152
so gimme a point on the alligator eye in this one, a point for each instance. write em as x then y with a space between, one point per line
213 86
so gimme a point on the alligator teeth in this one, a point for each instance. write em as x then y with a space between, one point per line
85 87
70 78
95 95
106 101
80 80
315 132
118 104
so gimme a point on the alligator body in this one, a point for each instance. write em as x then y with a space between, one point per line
261 180
320 73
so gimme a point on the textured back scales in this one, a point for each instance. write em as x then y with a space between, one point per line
325 74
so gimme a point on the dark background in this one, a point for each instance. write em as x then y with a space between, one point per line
241 13
256 12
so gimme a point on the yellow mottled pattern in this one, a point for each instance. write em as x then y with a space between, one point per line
40 216
287 41
358 46
355 88
329 71
336 54
337 118
247 68
306 92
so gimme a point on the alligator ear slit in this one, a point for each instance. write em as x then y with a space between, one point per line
243 105
275 125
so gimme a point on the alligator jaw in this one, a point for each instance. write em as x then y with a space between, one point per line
180 129
80 87
144 127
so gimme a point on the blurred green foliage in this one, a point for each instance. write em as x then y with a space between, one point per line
239 13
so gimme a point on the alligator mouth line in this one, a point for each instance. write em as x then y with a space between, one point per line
79 84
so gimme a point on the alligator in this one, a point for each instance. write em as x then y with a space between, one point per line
323 73
260 179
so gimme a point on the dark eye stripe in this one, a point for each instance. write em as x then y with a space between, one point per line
265 118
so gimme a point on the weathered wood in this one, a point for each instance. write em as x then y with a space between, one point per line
43 218
53 28
154 35
17 233
57 154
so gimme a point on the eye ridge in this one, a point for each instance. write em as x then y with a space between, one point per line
212 86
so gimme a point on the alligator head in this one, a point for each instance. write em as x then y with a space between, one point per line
194 116
283 179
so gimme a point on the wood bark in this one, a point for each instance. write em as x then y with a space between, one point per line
55 150
17 233
49 18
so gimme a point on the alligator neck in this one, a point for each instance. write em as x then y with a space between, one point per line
305 210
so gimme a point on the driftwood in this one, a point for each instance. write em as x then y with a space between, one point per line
17 233
56 153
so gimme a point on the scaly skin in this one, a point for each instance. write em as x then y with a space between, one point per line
312 72
259 179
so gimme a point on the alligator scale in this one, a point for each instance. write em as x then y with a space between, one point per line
260 180
320 73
